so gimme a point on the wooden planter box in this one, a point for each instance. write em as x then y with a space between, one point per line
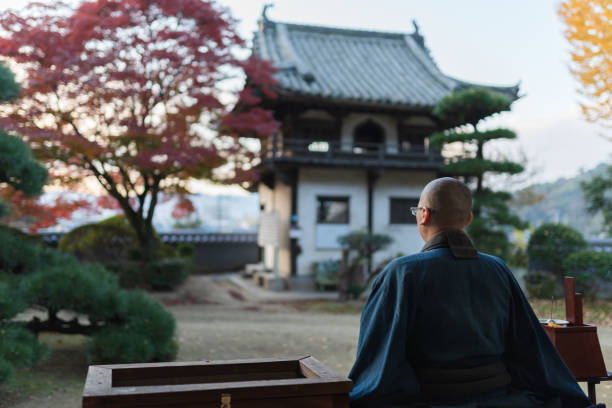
272 383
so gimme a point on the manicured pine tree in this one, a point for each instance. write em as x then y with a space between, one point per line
20 171
462 112
18 168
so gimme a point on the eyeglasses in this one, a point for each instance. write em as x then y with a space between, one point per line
415 210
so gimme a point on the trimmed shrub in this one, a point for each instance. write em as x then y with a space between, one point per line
114 244
543 285
327 274
592 270
11 302
131 274
185 250
87 288
7 372
100 242
165 274
359 246
146 332
118 346
18 347
550 244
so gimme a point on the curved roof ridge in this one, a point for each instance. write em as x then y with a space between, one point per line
329 29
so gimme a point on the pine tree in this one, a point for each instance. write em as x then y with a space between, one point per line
461 112
18 168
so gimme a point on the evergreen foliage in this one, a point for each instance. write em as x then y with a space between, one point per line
9 89
123 326
358 248
492 217
102 241
549 246
18 346
167 273
17 166
592 270
113 243
598 195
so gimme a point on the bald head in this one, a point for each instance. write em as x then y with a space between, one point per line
450 200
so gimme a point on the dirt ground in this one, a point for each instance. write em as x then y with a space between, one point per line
219 319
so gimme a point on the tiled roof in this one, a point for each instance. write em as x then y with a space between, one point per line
356 65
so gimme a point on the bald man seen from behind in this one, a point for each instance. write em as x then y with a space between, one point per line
450 327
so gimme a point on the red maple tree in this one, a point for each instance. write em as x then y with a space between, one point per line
131 92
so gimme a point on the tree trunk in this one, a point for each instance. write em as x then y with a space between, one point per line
480 155
148 244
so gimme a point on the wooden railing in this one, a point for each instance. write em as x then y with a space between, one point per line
285 148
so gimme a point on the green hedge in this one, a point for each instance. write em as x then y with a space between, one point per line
550 244
113 243
100 242
165 274
592 270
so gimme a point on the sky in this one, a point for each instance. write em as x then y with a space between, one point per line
483 41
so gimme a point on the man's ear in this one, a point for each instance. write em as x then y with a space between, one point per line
426 216
469 220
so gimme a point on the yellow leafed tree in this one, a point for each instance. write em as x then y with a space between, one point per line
589 32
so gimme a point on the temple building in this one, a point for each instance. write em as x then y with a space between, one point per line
352 152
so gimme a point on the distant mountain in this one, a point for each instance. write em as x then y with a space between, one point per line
560 201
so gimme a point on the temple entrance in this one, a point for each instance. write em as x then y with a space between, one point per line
368 137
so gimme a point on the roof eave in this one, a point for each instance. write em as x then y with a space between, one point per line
292 96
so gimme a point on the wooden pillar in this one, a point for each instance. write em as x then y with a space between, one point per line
372 176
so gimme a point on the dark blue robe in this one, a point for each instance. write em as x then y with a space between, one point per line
436 308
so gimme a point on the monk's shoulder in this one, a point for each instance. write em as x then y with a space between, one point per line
411 263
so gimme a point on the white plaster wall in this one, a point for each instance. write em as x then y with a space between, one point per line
406 238
282 204
278 200
352 120
313 182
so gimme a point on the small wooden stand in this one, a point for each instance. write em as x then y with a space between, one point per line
577 343
273 383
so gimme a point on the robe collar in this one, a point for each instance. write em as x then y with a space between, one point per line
456 240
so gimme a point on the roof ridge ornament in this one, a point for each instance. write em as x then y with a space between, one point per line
417 34
264 12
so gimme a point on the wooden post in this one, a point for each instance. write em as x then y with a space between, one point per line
578 309
570 300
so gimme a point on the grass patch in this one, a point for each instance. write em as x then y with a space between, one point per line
596 312
63 371
335 307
